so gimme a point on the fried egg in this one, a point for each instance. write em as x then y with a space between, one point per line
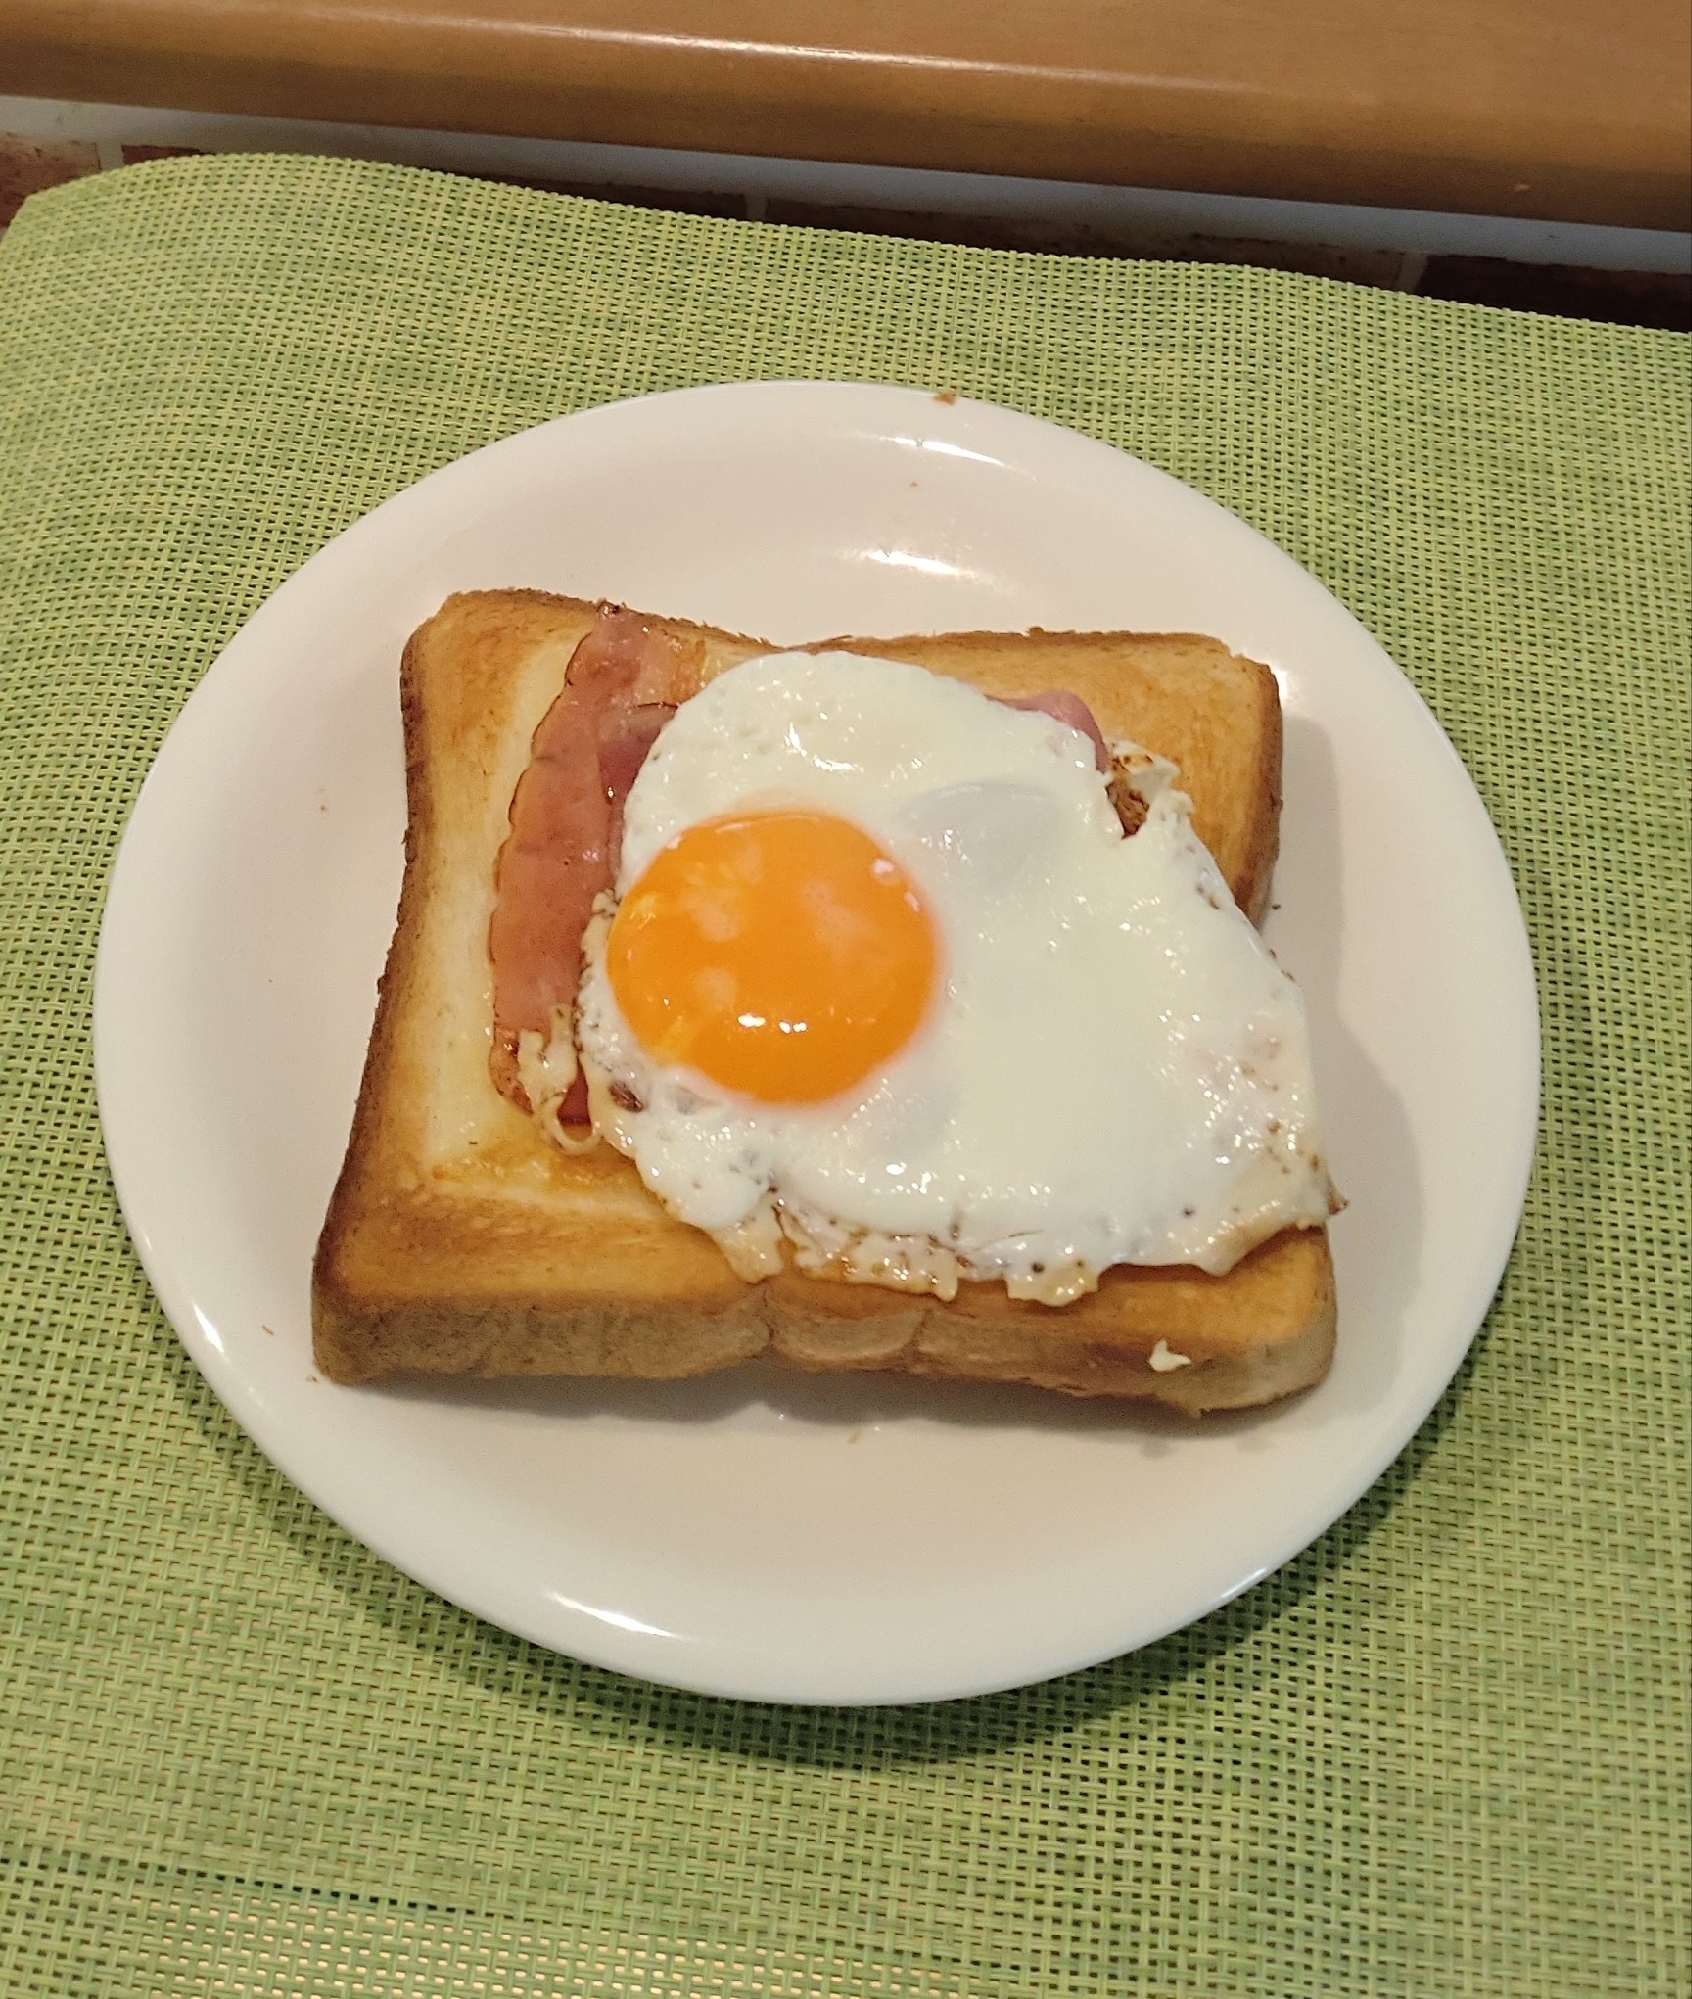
882 976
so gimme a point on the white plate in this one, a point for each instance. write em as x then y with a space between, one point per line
757 1534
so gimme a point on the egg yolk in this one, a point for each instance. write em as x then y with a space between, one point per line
781 954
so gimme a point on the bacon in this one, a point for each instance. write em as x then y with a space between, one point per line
624 682
620 759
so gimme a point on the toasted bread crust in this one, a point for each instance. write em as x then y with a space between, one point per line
460 1241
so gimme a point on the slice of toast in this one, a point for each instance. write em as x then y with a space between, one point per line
460 1241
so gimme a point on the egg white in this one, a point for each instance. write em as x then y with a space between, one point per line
1113 1070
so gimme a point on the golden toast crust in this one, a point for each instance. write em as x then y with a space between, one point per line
460 1241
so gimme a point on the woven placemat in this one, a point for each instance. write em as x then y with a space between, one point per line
1443 1752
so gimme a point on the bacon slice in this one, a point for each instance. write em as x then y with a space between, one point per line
624 682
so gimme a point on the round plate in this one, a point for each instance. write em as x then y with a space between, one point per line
756 1533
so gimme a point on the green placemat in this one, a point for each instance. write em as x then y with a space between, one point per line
1443 1752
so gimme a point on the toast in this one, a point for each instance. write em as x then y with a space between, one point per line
459 1241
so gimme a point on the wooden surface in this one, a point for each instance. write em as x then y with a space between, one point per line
1559 109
